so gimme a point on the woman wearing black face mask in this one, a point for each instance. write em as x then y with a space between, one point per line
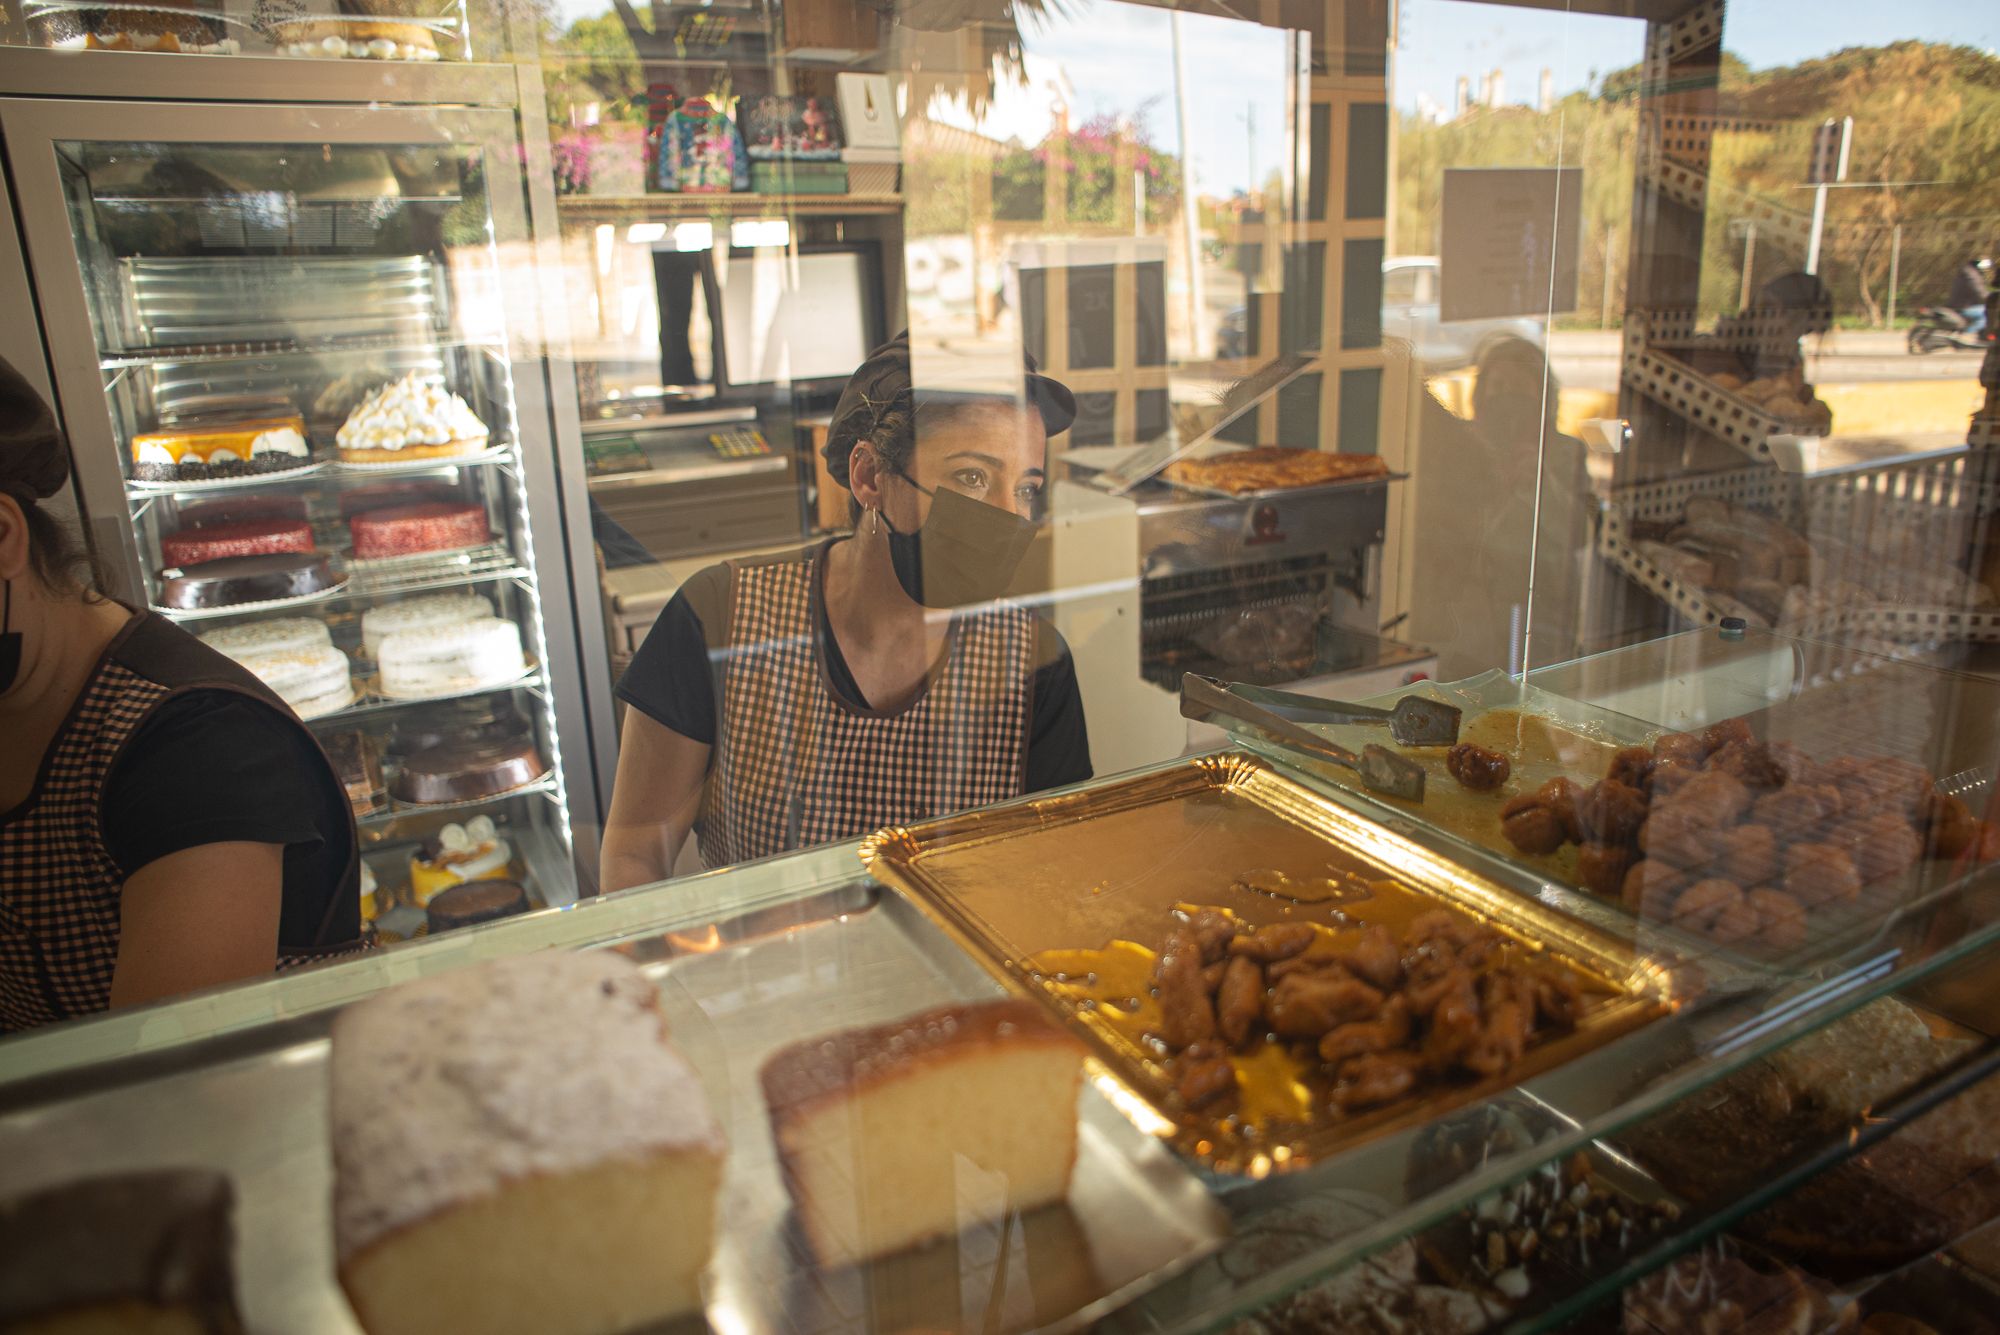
166 823
871 680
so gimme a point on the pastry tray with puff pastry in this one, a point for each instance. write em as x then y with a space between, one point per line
1079 871
739 976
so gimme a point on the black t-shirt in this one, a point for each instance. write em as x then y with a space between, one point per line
212 767
673 679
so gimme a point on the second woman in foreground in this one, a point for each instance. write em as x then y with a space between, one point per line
871 680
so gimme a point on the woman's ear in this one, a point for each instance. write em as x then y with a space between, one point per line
13 538
864 476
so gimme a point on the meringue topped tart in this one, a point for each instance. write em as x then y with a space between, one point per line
410 419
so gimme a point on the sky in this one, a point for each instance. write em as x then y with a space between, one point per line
1109 57
1442 39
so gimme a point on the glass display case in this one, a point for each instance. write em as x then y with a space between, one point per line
1566 374
308 428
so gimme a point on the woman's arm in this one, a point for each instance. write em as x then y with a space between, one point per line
196 918
653 803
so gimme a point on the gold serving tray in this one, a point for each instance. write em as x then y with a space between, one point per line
1038 890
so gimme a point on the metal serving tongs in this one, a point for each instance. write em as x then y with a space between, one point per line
1206 700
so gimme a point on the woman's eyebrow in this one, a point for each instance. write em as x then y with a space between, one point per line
990 460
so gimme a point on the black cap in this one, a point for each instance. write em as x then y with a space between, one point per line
34 462
884 378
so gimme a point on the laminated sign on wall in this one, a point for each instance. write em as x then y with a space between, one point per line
1510 241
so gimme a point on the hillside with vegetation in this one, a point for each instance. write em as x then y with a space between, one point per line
1924 158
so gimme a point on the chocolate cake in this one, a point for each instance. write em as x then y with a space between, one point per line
246 579
475 901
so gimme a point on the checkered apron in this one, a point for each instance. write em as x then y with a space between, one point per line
796 766
59 884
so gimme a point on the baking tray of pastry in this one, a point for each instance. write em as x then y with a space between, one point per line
1113 905
1848 890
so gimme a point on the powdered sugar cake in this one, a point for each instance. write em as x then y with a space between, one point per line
460 656
518 1147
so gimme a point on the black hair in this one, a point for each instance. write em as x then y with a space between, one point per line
890 429
56 554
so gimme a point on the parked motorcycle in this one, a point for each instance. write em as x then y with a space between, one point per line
1942 327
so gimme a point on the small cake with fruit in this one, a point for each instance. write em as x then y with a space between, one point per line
214 453
410 419
457 854
412 530
449 659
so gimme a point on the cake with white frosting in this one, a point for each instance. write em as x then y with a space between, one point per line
207 454
458 853
407 419
428 612
279 635
518 1147
443 660
312 681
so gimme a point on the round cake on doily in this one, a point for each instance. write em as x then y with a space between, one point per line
444 659
410 530
426 612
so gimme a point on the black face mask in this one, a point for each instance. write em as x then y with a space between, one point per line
10 643
965 552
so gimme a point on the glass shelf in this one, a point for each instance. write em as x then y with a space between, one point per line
371 704
380 821
194 353
480 565
143 494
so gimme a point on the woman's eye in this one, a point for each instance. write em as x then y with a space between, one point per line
970 479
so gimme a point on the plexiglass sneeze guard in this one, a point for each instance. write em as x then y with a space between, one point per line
201 269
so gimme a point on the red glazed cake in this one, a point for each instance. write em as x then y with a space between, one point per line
243 537
404 530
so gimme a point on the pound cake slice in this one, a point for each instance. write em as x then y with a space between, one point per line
518 1148
884 1134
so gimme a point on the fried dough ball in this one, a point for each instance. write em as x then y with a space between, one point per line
1747 854
1781 920
1703 902
1679 835
1610 813
1600 868
1817 874
1650 888
1669 777
1797 812
1476 767
1751 764
1633 767
1239 1001
1737 923
1882 846
1718 735
1679 748
1306 1005
1532 827
1949 825
1792 760
1716 798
